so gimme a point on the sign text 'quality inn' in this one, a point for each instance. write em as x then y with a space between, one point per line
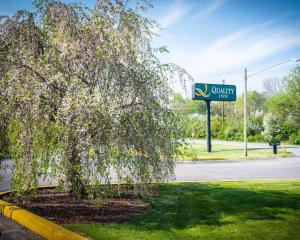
214 92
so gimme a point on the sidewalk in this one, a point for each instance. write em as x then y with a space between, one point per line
10 230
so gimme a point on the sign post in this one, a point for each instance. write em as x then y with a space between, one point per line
274 144
208 131
212 92
223 107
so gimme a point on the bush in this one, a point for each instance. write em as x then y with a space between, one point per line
233 133
195 126
256 138
288 129
217 128
272 128
256 124
295 138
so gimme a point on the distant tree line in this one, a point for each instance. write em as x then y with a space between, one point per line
273 114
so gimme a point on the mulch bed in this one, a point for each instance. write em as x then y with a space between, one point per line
64 208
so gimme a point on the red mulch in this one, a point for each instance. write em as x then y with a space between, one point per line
63 208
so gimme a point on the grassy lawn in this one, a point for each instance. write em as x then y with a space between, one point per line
199 152
222 210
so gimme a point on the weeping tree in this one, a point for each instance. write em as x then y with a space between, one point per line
83 96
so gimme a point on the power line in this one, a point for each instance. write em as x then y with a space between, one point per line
219 74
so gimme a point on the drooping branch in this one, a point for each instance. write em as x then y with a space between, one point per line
105 95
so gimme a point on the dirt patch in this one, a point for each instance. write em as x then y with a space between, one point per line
64 208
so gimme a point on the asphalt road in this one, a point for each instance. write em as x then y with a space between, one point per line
19 231
283 168
279 168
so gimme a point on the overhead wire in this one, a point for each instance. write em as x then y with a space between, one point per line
219 74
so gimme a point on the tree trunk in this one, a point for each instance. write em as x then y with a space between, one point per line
73 174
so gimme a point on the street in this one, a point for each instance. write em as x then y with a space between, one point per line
279 168
219 170
283 168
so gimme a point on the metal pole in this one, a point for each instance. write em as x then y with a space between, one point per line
274 149
223 107
245 98
245 116
208 131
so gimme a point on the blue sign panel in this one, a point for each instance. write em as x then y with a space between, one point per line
214 92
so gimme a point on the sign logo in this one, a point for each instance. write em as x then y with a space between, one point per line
201 93
214 92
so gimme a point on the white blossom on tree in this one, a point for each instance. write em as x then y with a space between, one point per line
83 93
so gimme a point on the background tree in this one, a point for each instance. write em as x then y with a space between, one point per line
273 86
84 95
285 105
272 128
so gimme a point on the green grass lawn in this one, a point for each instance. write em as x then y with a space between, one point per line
199 152
222 210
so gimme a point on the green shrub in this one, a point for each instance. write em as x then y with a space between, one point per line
295 138
260 128
255 125
194 126
256 138
272 127
288 129
233 133
217 127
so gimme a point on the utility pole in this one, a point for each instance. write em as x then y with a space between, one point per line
223 107
245 116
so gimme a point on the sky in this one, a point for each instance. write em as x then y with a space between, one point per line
217 39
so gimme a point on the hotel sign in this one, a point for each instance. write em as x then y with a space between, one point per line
214 92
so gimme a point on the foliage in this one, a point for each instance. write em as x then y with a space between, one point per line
3 128
295 138
196 126
83 95
293 95
281 100
233 132
255 125
272 128
217 127
188 106
256 102
231 128
256 138
285 105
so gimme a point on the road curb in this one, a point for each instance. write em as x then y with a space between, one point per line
207 158
199 158
35 223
